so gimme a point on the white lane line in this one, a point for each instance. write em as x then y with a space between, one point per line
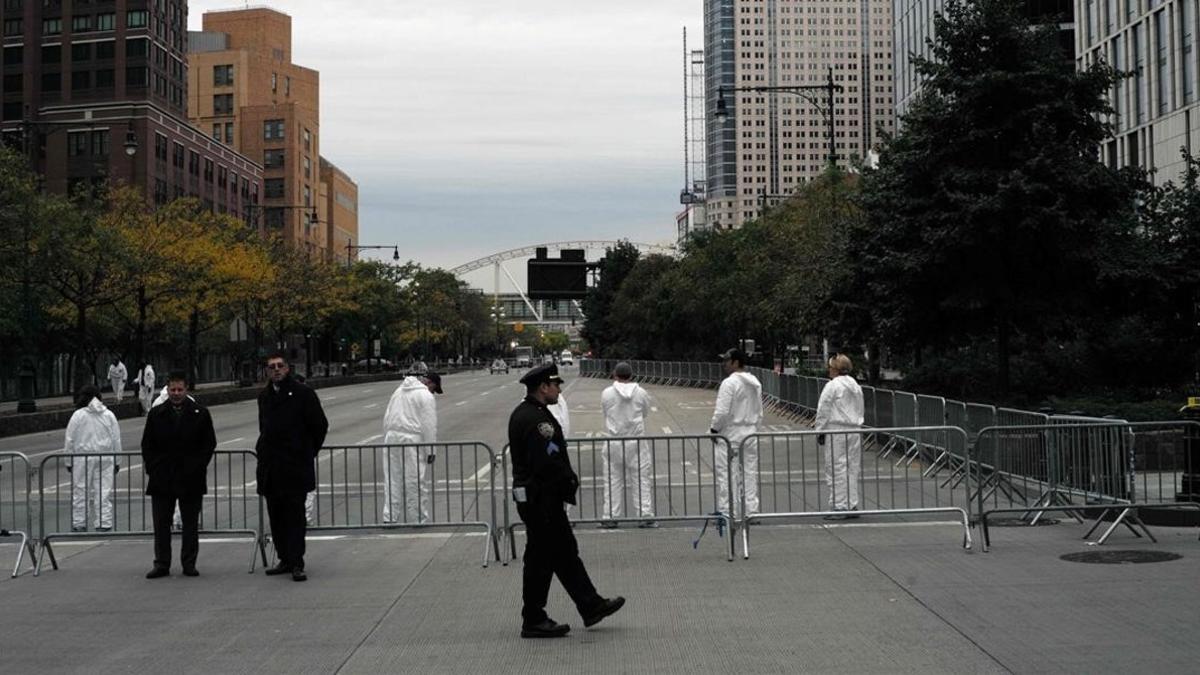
231 441
329 398
370 439
370 405
367 391
485 393
653 409
460 403
667 431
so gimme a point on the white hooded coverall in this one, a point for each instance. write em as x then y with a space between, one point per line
841 408
627 463
145 384
117 376
93 430
738 412
410 419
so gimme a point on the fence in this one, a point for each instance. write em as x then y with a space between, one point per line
16 513
643 479
457 490
795 477
1083 465
93 496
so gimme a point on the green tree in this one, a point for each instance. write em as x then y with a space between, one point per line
597 305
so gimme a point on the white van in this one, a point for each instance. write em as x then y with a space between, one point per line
567 358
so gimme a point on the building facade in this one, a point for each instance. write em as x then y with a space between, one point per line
245 92
1157 110
339 212
768 144
94 93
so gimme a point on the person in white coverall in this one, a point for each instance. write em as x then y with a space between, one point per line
562 414
116 377
739 410
145 387
410 419
92 430
627 463
841 408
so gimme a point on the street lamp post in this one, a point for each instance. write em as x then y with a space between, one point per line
354 247
805 92
498 315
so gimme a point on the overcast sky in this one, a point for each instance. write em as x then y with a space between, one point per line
474 126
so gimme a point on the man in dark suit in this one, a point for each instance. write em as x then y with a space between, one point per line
292 427
177 445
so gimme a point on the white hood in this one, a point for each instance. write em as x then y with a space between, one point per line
626 390
411 415
97 407
93 429
625 406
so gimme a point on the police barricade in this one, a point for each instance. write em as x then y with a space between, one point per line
905 417
795 478
16 504
869 406
931 412
642 480
1104 466
99 496
1023 454
388 487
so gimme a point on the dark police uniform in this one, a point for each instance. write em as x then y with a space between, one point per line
543 481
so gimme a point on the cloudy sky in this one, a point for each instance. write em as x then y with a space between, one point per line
474 126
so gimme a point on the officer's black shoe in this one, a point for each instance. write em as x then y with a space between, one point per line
546 629
298 574
158 573
279 568
191 572
605 607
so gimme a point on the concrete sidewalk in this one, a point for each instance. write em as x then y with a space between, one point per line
855 598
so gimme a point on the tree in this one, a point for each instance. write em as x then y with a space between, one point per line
597 305
985 211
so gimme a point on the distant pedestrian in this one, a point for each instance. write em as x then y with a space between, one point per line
840 408
145 387
627 464
292 428
117 374
93 436
410 420
543 482
739 410
177 446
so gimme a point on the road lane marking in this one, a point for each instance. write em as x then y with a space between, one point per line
367 391
370 439
232 441
667 431
329 398
460 403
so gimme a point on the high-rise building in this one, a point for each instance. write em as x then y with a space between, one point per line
245 91
1157 110
339 211
770 143
94 93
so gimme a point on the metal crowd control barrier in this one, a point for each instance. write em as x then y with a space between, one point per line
677 475
794 478
16 505
1107 465
458 490
83 496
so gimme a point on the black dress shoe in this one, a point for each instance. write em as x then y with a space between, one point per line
191 572
298 574
546 629
158 573
280 568
606 607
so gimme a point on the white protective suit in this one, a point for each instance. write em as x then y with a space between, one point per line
738 412
411 418
562 414
116 377
145 385
627 463
841 407
93 430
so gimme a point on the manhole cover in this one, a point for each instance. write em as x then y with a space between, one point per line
1120 557
1017 522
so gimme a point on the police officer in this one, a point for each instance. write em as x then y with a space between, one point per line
543 483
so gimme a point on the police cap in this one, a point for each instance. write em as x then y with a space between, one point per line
540 374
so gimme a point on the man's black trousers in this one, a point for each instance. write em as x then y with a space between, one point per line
551 550
163 511
288 524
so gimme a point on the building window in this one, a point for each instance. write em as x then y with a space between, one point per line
14 82
180 153
136 76
274 82
77 143
160 191
223 104
307 168
80 80
105 21
137 47
137 18
274 188
1187 45
160 147
81 23
287 85
14 27
100 143
222 177
229 133
194 163
81 52
217 131
208 170
104 78
14 56
1164 69
51 26
307 196
51 82
222 76
273 216
51 55
273 130
273 159
105 50
307 140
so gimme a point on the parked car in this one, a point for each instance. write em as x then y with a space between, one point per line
498 366
378 364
